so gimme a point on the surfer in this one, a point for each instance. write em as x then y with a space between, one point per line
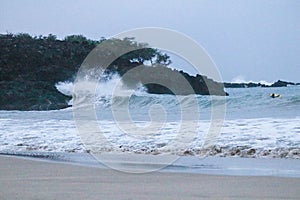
273 95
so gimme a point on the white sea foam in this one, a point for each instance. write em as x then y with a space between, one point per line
65 87
267 137
256 125
242 79
112 87
238 79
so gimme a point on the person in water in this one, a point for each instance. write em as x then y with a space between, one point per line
273 95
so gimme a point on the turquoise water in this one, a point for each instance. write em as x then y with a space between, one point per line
256 102
255 126
242 103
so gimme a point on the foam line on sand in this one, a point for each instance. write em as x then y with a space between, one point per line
29 179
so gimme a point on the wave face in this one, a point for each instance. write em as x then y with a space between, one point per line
241 102
256 102
255 125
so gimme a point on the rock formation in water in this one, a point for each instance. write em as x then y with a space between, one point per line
278 83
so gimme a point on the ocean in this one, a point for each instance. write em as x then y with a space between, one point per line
255 125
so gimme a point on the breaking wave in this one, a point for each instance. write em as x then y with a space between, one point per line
255 126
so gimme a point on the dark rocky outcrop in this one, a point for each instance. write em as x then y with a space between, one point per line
162 80
31 95
242 85
280 83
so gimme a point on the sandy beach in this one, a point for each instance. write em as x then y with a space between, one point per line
30 179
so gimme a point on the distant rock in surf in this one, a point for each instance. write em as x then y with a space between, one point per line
278 83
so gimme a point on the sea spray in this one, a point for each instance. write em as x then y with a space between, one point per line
105 88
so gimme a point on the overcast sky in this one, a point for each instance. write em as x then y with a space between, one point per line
250 40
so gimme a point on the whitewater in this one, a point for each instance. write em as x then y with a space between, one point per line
255 124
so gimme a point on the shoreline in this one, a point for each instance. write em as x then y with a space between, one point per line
32 179
139 163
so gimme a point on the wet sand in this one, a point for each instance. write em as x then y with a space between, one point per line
30 179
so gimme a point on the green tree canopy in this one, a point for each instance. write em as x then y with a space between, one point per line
143 53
